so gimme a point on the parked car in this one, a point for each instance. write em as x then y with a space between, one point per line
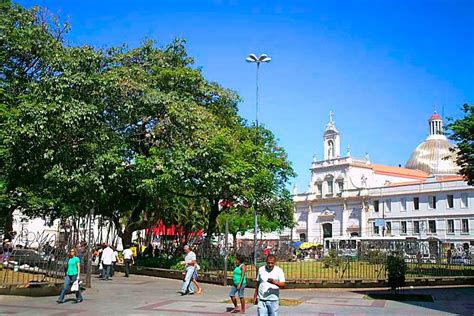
28 257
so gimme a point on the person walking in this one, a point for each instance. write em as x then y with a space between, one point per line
190 262
128 259
195 277
114 261
240 282
270 279
107 255
73 274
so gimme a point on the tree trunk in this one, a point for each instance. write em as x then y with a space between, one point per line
234 241
8 229
127 237
211 227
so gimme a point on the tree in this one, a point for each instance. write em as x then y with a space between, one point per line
462 131
137 135
30 47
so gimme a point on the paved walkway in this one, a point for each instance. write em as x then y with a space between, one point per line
139 295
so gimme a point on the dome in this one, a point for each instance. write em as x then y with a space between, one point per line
434 157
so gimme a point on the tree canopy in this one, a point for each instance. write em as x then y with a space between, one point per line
135 134
462 131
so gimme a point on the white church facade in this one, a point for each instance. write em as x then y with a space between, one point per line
352 197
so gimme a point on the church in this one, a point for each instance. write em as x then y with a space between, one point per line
351 197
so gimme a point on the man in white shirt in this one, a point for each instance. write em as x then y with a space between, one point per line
114 261
107 259
270 280
127 259
190 262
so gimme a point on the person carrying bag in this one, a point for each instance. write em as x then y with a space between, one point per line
73 274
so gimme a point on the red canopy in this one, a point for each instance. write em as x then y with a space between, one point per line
162 230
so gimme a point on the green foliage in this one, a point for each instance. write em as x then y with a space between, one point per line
396 269
332 260
134 134
462 131
163 262
375 257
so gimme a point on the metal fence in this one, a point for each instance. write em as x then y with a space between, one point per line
35 258
362 260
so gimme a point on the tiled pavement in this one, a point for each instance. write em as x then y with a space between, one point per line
140 295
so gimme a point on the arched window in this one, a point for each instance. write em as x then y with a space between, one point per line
303 237
330 186
327 230
330 149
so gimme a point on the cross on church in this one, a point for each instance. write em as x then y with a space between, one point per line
331 116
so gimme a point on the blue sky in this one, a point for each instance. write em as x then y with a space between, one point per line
381 66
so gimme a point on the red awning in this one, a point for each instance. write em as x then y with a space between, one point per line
162 230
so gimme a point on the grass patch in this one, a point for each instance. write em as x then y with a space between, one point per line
361 270
400 297
283 302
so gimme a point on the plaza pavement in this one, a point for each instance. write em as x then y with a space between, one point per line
140 295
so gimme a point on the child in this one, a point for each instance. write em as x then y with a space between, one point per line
195 282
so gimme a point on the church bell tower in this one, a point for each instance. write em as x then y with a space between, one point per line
332 140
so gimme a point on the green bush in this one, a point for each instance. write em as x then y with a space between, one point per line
396 269
158 262
332 260
375 257
178 266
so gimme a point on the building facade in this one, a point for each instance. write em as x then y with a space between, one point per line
352 197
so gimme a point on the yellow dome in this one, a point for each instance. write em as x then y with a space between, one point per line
433 156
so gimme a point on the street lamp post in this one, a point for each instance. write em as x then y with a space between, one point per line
252 58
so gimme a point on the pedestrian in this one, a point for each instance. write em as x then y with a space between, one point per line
240 282
195 277
190 262
270 279
73 274
114 261
128 259
107 255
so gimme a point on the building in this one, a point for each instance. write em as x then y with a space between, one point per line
353 197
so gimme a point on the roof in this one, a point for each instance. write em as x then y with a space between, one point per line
438 179
399 171
449 178
394 171
435 116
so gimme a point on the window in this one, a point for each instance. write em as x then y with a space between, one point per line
464 202
432 201
450 199
465 226
376 205
416 203
320 188
330 187
403 227
450 226
341 185
388 226
327 230
302 237
376 229
416 227
403 205
432 227
388 205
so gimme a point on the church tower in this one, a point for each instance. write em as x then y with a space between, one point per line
332 140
